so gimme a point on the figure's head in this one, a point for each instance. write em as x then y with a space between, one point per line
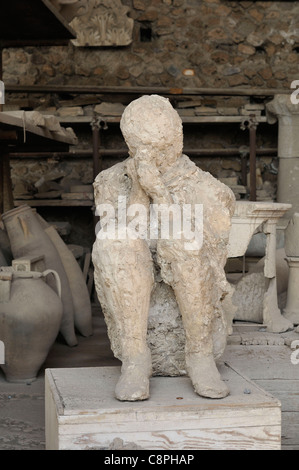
151 122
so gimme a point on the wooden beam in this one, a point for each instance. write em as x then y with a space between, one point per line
145 90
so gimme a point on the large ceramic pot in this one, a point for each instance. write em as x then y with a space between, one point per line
28 238
30 318
80 294
79 290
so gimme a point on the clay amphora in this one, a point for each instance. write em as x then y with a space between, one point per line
28 238
81 300
30 318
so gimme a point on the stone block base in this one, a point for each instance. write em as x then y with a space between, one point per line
82 414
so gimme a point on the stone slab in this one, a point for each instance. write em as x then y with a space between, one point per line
82 414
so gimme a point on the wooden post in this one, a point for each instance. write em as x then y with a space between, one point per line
244 159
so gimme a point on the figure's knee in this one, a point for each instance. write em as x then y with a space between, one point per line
123 246
128 255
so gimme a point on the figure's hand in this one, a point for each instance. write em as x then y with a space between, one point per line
138 195
150 177
131 171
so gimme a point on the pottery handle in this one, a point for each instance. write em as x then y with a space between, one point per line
57 279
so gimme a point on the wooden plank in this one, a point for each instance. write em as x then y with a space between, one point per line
266 362
271 368
48 195
54 203
287 391
8 120
77 196
289 447
290 428
244 438
83 188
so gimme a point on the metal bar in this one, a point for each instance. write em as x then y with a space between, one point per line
244 158
252 161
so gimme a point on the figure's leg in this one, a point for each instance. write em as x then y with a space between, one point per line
195 291
124 280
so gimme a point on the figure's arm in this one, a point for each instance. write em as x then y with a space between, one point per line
137 194
150 178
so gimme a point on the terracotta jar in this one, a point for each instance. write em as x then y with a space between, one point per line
28 238
79 290
81 299
30 318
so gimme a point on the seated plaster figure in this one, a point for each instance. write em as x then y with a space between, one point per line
126 267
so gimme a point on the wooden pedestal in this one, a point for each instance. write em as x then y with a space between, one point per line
82 414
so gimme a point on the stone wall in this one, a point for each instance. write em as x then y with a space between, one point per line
176 43
180 43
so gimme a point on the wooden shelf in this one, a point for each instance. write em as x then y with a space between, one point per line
185 119
28 133
53 203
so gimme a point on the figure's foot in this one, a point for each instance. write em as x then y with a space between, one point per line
205 377
133 384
